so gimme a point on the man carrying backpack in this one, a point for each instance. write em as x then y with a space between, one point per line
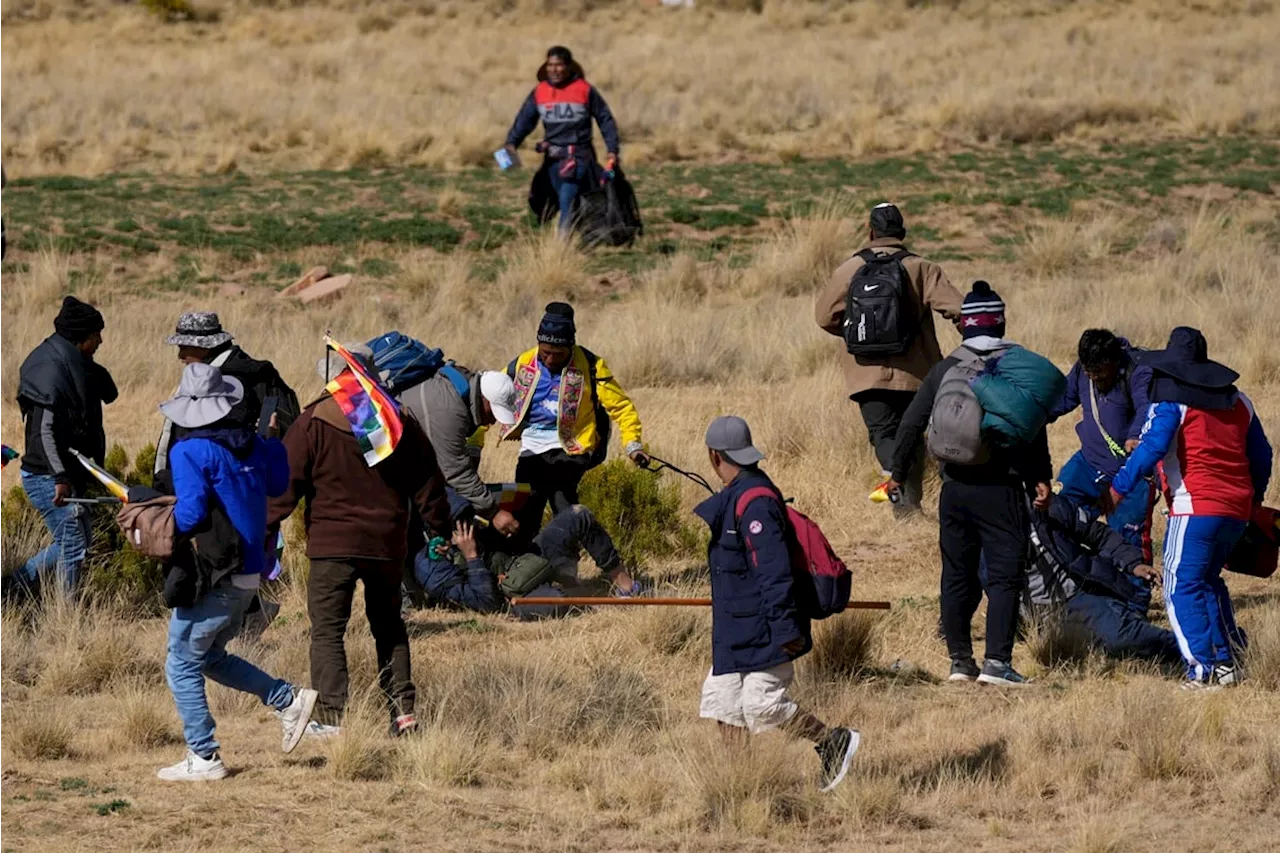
200 338
983 508
758 625
880 302
1110 387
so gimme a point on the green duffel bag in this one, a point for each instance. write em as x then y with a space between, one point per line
524 574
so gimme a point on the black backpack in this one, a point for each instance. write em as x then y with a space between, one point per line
879 310
609 215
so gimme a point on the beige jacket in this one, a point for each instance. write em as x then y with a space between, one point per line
933 292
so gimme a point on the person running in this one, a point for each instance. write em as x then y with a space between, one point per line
61 391
758 630
883 383
1204 437
356 522
219 465
565 103
982 512
565 398
1109 385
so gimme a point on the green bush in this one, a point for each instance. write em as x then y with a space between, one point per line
640 510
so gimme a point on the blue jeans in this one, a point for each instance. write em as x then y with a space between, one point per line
1121 629
70 528
198 638
567 189
1083 485
1196 548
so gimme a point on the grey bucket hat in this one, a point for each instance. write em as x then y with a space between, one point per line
731 436
204 396
199 329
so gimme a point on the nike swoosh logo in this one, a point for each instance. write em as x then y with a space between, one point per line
867 288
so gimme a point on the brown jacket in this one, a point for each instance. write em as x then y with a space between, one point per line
354 510
932 292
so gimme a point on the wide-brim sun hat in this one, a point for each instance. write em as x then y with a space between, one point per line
204 397
1186 359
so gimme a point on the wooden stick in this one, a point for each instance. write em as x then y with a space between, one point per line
594 601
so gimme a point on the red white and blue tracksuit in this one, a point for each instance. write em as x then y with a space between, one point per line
566 111
1214 467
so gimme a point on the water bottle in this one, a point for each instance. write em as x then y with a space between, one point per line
504 159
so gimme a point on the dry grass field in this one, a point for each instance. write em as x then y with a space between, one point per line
1155 206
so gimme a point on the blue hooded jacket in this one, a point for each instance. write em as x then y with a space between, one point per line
753 603
1122 410
237 469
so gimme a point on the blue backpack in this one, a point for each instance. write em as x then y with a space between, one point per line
403 362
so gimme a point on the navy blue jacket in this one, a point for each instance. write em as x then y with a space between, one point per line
462 583
566 112
1122 410
1095 557
753 603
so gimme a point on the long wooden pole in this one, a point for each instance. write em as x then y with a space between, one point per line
594 601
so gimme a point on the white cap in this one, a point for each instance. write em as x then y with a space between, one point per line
496 387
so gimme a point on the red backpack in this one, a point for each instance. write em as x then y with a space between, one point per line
823 581
1258 550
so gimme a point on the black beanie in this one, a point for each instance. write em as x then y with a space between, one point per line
557 326
886 221
982 312
77 320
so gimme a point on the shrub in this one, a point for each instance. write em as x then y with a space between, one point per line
844 647
641 512
39 736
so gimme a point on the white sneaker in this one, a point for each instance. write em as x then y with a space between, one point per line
193 768
320 730
294 719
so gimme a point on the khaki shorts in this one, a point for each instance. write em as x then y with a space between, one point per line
756 701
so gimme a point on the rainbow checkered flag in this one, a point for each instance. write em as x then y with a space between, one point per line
511 496
374 416
7 455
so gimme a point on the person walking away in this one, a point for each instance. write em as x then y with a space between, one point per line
882 301
565 398
1081 573
1109 385
200 338
218 464
356 522
758 629
982 512
1204 437
61 391
565 103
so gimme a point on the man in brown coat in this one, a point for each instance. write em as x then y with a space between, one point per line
883 386
356 520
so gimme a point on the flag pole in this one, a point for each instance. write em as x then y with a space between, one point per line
607 601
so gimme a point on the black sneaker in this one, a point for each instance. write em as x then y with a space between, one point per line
403 725
836 751
964 669
1000 673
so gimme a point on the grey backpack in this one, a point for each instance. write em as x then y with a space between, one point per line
955 425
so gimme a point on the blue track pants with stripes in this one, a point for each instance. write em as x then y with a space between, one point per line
1196 548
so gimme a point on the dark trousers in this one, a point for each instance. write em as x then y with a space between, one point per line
554 477
977 521
570 532
882 412
330 590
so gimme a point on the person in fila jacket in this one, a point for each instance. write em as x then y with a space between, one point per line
566 103
1215 463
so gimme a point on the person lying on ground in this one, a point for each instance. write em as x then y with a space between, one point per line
1214 459
758 629
982 511
883 381
481 569
1083 573
1109 385
61 391
221 470
356 522
566 398
565 103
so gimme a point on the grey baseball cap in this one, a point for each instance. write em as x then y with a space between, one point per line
731 436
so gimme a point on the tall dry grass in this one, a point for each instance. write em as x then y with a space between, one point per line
93 87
